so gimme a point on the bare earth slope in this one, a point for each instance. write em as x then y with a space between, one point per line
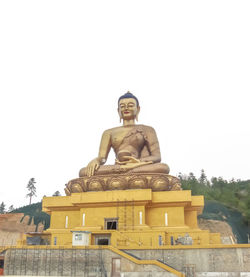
217 226
12 229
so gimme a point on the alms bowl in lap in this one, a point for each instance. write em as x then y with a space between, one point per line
122 181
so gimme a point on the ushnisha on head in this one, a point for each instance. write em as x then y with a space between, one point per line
128 107
129 95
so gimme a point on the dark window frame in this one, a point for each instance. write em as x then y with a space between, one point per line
111 220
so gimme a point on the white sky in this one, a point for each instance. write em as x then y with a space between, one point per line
63 65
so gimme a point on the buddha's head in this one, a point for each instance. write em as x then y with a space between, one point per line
128 107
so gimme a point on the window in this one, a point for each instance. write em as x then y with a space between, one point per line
166 219
140 218
160 240
111 223
78 237
66 221
83 219
55 240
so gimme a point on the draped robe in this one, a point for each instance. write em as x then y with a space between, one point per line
140 142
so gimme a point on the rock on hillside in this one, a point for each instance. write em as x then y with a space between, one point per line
216 226
13 226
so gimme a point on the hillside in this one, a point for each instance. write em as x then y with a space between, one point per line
34 214
227 201
214 210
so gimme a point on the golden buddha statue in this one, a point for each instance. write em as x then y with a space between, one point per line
138 158
136 146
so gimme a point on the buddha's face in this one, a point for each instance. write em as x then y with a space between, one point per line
128 109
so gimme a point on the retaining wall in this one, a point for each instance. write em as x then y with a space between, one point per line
202 260
73 262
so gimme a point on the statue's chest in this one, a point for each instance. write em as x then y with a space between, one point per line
127 136
118 136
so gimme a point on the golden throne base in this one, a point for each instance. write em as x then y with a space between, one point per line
154 181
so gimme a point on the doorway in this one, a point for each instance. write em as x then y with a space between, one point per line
1 264
116 267
102 239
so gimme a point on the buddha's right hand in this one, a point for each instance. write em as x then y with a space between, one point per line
132 162
92 166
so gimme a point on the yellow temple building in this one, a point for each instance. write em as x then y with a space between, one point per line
127 218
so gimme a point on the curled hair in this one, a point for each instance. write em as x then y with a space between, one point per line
128 95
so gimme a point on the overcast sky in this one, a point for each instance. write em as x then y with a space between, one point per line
63 65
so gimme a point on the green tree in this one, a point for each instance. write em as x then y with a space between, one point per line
35 214
191 177
180 176
2 208
57 193
203 178
11 209
31 188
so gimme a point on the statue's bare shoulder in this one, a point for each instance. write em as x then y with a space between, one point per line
120 129
111 131
148 128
